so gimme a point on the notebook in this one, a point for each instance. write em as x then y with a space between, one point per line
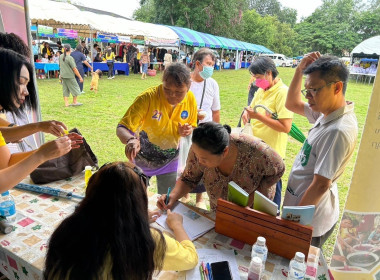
300 214
194 224
264 204
237 195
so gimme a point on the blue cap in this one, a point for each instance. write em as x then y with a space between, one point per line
5 193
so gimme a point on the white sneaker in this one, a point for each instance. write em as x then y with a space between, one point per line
109 78
113 77
82 91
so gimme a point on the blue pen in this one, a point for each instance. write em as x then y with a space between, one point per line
209 271
167 195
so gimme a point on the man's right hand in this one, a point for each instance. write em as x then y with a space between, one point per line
307 60
81 80
132 149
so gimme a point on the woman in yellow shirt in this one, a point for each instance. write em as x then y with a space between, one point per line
110 57
109 236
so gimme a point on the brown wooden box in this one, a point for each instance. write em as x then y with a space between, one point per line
284 238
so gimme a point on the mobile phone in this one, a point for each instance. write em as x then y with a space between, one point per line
221 271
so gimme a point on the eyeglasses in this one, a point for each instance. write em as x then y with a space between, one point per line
313 91
144 178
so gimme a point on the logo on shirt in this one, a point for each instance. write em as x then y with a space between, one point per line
157 115
305 153
184 114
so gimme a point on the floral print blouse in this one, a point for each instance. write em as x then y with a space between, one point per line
257 167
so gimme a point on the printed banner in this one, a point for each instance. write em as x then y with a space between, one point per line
124 39
106 37
45 31
161 42
67 33
357 248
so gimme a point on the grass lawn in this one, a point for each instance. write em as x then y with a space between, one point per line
98 117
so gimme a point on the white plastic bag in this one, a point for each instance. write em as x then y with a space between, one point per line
184 147
247 129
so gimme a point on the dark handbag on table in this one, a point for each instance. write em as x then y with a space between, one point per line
65 166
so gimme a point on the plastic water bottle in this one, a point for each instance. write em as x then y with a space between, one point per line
255 269
297 267
8 207
259 249
87 175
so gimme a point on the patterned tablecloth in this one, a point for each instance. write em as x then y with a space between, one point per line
22 251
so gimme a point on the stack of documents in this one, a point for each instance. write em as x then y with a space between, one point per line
194 224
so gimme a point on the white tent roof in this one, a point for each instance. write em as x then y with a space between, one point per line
59 14
369 46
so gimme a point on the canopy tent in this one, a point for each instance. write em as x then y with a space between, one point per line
369 48
229 44
210 40
189 37
59 14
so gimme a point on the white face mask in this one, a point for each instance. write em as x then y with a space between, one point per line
207 72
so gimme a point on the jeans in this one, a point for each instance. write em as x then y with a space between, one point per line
110 69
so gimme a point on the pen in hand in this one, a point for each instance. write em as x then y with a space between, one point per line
167 195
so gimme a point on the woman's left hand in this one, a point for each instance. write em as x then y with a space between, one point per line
251 113
153 215
76 139
184 130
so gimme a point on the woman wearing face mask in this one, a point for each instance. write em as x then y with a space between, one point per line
272 94
206 92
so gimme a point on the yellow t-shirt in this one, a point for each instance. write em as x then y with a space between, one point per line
179 256
2 141
138 55
111 56
274 99
151 113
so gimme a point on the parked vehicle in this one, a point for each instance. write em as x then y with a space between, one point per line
280 59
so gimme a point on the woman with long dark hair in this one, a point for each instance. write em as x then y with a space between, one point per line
109 237
16 92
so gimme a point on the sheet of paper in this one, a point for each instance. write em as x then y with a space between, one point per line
211 256
194 224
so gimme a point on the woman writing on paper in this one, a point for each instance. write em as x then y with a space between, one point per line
115 241
216 157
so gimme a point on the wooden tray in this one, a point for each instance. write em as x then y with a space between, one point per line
284 238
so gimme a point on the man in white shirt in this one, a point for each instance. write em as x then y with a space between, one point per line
205 88
330 142
206 92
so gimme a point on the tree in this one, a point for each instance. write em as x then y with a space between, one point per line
217 17
330 29
146 12
268 31
274 8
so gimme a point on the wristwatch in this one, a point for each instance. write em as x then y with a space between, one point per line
11 125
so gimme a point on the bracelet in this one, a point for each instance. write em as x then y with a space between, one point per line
132 138
11 125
